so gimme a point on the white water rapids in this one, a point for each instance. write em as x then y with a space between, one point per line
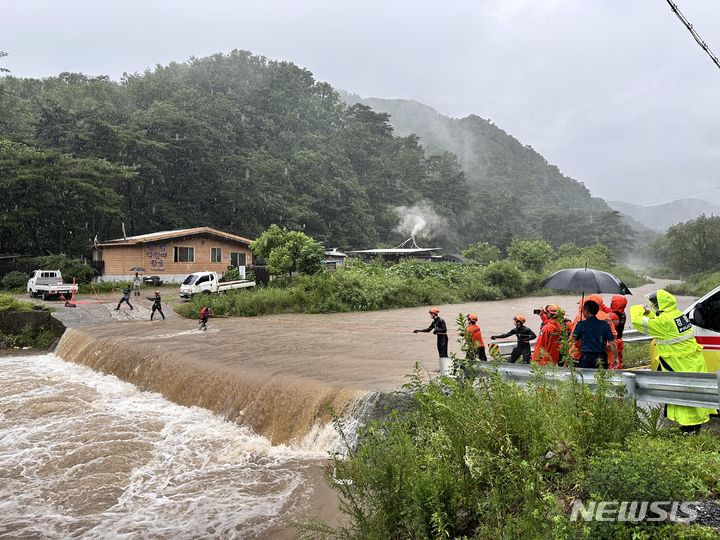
84 454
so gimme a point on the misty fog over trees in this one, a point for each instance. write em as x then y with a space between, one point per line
239 142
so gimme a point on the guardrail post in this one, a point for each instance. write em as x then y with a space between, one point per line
630 387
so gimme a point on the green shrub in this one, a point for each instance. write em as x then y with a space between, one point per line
28 338
671 467
70 268
530 254
491 459
482 253
15 280
505 276
636 354
243 303
10 303
231 274
696 285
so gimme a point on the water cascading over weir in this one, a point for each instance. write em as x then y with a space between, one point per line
283 406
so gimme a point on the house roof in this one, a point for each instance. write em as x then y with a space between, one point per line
335 253
397 251
167 235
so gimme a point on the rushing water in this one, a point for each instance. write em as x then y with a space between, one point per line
86 455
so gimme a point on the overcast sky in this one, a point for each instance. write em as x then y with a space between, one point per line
614 92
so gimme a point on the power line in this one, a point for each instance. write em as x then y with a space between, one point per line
676 197
694 34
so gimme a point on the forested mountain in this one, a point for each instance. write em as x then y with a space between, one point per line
521 192
661 217
239 142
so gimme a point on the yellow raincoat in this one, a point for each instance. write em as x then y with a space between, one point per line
676 347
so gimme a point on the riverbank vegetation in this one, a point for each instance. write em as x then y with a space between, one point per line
689 251
487 458
9 303
28 335
365 287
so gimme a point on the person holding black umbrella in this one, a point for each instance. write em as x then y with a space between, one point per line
137 281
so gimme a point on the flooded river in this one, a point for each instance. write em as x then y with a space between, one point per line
143 429
86 455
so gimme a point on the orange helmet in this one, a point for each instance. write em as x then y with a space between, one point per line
520 318
472 317
434 310
552 310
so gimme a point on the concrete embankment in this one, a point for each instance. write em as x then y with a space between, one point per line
30 324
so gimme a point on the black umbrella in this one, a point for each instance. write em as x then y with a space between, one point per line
137 269
586 280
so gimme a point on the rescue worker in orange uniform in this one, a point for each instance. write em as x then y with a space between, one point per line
547 347
618 319
575 349
474 337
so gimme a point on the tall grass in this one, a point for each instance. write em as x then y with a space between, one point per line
366 287
491 459
696 285
10 303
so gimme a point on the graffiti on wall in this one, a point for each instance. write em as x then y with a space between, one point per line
156 254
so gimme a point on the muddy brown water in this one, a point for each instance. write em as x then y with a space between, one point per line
155 429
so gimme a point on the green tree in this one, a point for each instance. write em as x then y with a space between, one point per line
56 203
287 251
531 254
482 252
694 246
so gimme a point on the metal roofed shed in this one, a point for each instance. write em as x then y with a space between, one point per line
407 249
334 258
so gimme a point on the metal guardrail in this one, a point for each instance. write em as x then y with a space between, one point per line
689 389
506 347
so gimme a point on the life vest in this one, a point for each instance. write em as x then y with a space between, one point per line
474 334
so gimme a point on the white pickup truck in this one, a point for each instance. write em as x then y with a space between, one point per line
49 283
209 282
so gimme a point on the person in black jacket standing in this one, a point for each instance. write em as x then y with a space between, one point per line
157 305
439 328
524 337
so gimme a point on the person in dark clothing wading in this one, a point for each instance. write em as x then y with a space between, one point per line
524 337
439 328
125 298
157 305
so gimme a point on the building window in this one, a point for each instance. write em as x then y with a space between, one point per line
237 259
215 254
184 254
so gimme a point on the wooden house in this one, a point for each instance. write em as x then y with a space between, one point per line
172 255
